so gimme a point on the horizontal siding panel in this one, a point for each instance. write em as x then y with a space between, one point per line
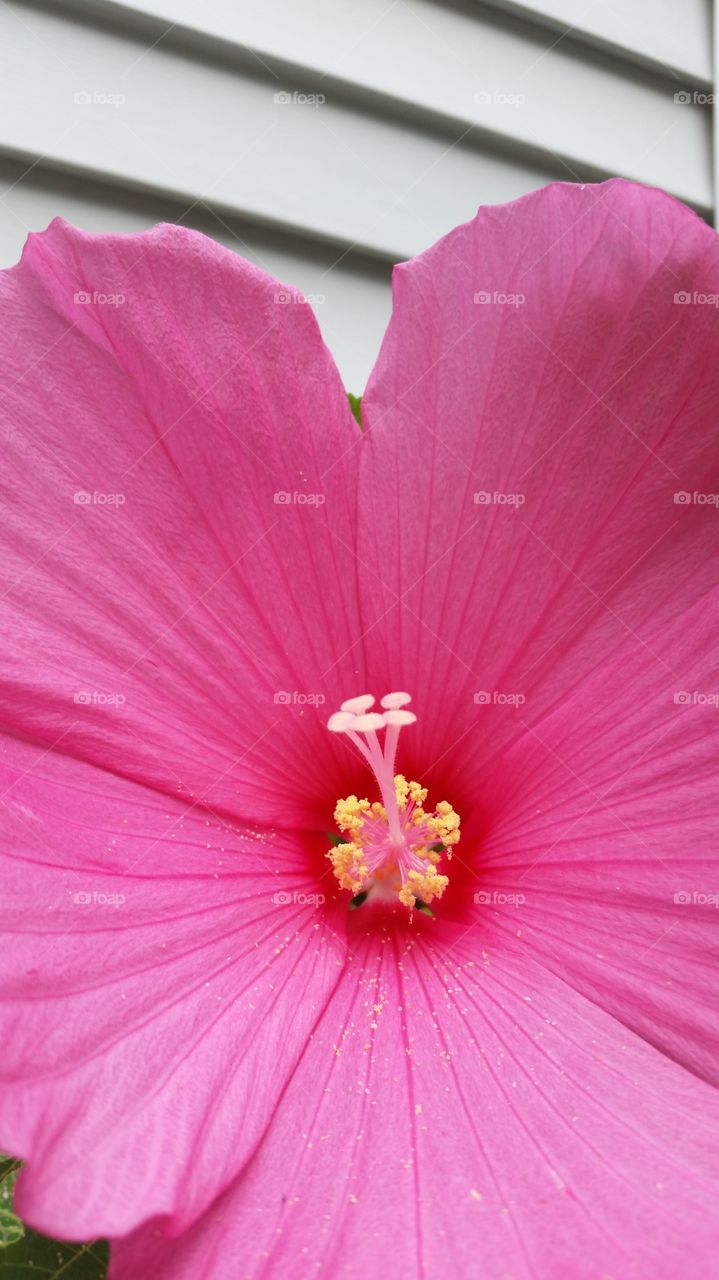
598 114
658 33
351 299
203 132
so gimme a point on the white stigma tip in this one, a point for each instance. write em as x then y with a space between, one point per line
340 722
358 705
368 723
392 701
399 718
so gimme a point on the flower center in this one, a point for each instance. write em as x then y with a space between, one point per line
389 848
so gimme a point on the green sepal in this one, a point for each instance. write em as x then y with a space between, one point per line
422 906
355 403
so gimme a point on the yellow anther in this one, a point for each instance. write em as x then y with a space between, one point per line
349 813
405 791
445 824
430 854
416 793
401 787
349 865
423 886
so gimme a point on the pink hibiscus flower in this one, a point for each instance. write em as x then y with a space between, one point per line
501 1062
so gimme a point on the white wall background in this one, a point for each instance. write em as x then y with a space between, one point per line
118 115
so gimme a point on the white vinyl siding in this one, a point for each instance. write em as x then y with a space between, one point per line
403 116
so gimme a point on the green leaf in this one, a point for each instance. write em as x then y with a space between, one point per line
356 407
37 1256
11 1228
334 838
26 1255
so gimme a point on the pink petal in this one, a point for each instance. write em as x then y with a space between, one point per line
453 1117
603 819
579 412
182 599
156 993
